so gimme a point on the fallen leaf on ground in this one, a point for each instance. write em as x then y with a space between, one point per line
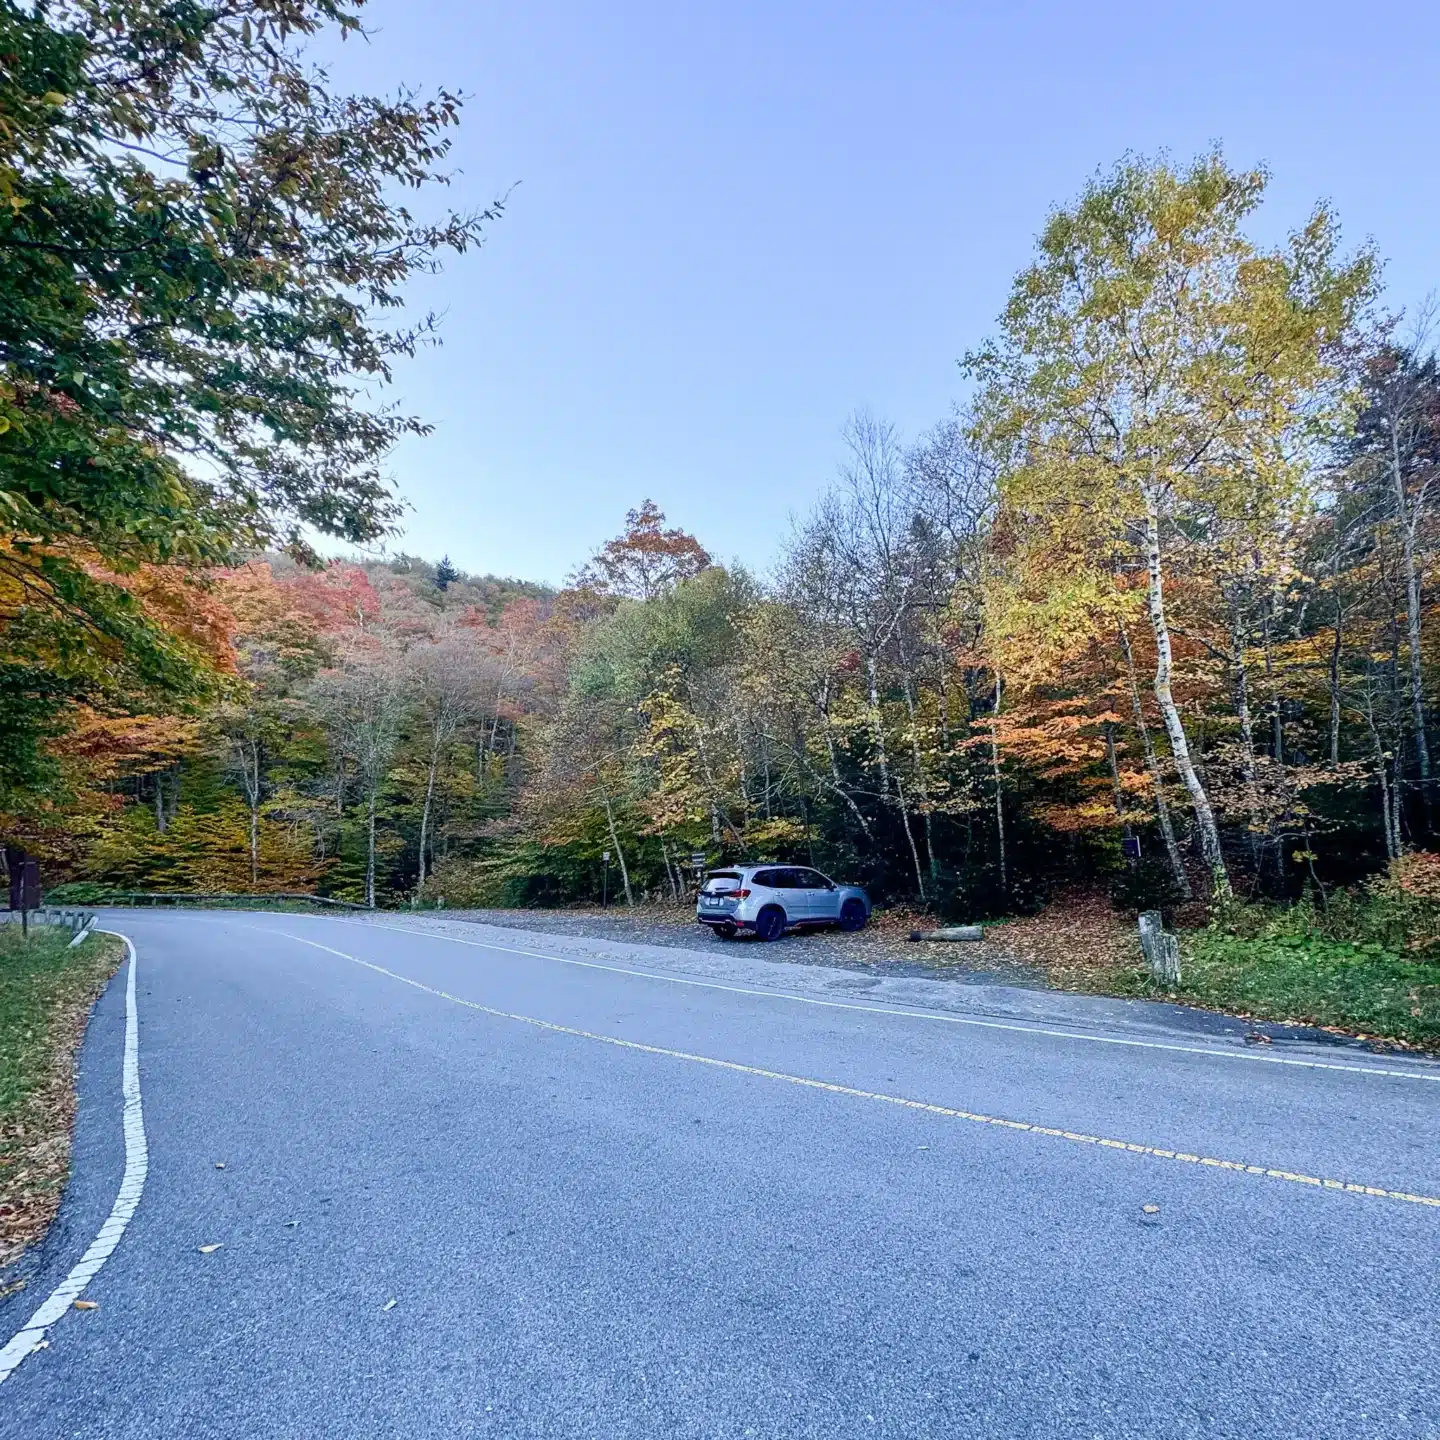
87 1304
389 1304
219 1164
210 1249
1151 1209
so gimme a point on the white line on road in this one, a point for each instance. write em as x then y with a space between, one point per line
927 1107
132 1183
878 1008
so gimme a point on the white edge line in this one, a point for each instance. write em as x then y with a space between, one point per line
127 1201
878 1008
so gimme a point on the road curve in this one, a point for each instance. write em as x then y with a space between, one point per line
464 1191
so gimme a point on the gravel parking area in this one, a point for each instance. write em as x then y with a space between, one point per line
882 948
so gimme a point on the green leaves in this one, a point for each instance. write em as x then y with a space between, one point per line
203 268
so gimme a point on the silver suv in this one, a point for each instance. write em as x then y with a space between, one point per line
770 899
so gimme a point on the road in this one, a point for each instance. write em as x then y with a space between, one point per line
686 1203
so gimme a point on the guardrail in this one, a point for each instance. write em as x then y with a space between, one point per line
151 897
77 921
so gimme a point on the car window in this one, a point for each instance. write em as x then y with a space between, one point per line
812 880
721 882
771 879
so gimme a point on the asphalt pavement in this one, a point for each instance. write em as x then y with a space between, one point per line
467 1181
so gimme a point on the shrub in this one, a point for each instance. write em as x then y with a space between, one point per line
82 892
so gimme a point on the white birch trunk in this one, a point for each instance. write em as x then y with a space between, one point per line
1179 743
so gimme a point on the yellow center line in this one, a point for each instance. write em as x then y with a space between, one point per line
830 1087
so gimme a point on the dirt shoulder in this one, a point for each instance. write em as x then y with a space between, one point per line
46 993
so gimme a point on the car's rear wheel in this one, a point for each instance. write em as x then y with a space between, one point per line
852 915
723 932
770 923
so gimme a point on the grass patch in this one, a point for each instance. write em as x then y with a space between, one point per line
46 991
1365 989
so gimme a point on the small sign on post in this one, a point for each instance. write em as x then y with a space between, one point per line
24 887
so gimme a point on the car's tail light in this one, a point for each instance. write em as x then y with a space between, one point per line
741 894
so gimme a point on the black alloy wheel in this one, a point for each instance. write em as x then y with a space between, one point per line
770 923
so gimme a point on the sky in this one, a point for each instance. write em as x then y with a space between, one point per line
731 225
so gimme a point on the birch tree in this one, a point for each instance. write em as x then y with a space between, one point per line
1157 379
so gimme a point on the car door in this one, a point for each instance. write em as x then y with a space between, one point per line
822 899
788 895
793 894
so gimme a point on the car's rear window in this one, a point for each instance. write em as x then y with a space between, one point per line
719 882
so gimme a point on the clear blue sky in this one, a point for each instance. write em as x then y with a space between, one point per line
737 222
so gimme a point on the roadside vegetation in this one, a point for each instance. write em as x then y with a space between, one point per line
46 991
1361 961
1149 612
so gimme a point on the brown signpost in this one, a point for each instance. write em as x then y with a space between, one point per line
24 884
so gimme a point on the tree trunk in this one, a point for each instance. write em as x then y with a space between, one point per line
1152 764
1174 727
919 769
910 837
1412 602
740 760
836 784
669 871
717 815
370 852
877 727
619 849
1335 688
1277 711
1241 674
1116 788
425 817
999 793
248 754
1392 843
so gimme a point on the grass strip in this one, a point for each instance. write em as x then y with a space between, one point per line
46 993
1363 989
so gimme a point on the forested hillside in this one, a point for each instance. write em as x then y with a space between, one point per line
1150 611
